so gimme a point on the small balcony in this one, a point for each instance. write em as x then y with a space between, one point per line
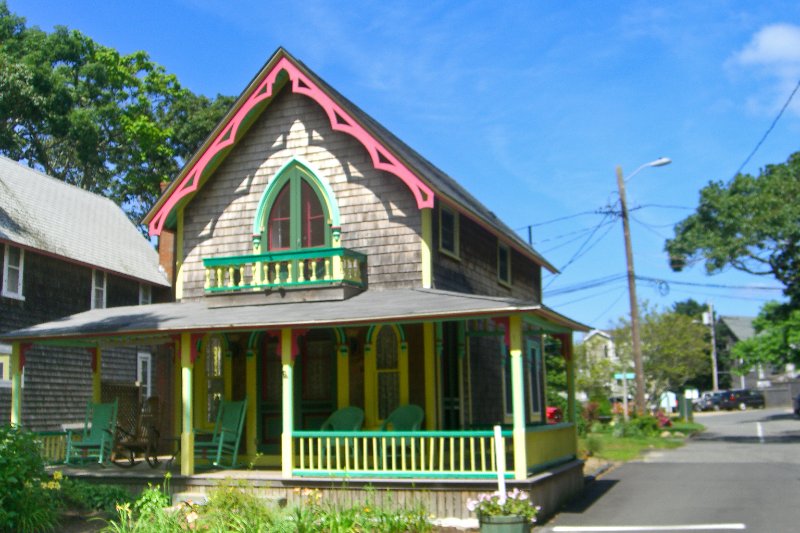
291 269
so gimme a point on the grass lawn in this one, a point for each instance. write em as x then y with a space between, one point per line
604 445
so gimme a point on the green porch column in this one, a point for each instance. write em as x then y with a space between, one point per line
187 431
252 404
518 398
566 352
287 403
16 383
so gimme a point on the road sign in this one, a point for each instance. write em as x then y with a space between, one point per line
629 375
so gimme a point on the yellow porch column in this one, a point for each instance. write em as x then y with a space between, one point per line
252 404
287 404
426 255
518 397
187 431
343 375
429 341
16 384
97 360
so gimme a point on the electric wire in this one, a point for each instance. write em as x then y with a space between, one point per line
769 130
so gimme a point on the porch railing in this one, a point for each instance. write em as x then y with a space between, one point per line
550 444
294 268
399 454
54 446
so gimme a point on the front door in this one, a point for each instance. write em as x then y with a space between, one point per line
314 387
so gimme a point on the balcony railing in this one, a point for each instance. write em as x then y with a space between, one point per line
399 454
294 268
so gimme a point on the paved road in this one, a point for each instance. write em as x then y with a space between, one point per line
742 473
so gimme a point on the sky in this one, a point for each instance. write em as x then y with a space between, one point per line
530 105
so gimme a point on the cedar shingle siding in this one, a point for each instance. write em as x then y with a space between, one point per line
476 271
58 381
378 213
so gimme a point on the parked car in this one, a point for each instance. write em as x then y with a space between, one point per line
709 401
741 399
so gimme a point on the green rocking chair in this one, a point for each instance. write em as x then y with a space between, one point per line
404 418
96 441
225 438
344 419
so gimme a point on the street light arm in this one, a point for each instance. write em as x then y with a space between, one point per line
660 162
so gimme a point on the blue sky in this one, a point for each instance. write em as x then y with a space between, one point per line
530 105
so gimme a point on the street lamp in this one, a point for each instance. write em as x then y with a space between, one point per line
635 339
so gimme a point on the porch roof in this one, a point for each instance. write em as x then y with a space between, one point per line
369 307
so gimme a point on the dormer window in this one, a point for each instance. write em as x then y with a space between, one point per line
449 232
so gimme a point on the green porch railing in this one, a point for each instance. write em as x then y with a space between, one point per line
399 454
293 268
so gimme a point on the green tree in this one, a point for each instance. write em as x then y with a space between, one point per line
750 224
113 124
674 349
594 375
777 338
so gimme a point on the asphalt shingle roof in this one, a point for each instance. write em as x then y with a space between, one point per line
740 326
42 213
369 307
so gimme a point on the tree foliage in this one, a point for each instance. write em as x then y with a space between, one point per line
114 124
674 349
751 224
777 338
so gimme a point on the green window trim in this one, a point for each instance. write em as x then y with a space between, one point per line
503 264
449 232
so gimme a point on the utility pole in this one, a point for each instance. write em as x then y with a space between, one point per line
709 319
635 340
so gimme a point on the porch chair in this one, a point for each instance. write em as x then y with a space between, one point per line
97 438
144 438
226 436
404 418
344 419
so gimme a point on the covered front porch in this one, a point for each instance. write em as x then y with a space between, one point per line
469 362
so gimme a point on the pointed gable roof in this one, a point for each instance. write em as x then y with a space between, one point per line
387 152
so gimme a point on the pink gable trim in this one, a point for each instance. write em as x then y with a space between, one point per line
382 159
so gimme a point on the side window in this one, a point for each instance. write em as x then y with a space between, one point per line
503 264
144 374
449 232
145 294
535 378
13 269
98 289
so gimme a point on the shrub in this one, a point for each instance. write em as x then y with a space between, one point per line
27 502
92 496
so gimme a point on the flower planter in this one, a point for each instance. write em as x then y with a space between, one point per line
504 524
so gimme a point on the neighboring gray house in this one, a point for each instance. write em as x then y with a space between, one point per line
64 250
739 328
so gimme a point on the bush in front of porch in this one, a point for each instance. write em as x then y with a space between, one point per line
232 506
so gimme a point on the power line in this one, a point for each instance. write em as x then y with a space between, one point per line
769 130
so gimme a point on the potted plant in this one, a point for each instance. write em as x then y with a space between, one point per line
512 513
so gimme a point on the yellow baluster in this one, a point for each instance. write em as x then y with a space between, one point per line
327 274
220 278
208 279
277 278
241 275
301 272
289 275
302 454
313 270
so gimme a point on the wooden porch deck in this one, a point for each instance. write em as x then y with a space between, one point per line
441 497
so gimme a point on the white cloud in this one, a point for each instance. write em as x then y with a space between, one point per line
775 46
774 53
